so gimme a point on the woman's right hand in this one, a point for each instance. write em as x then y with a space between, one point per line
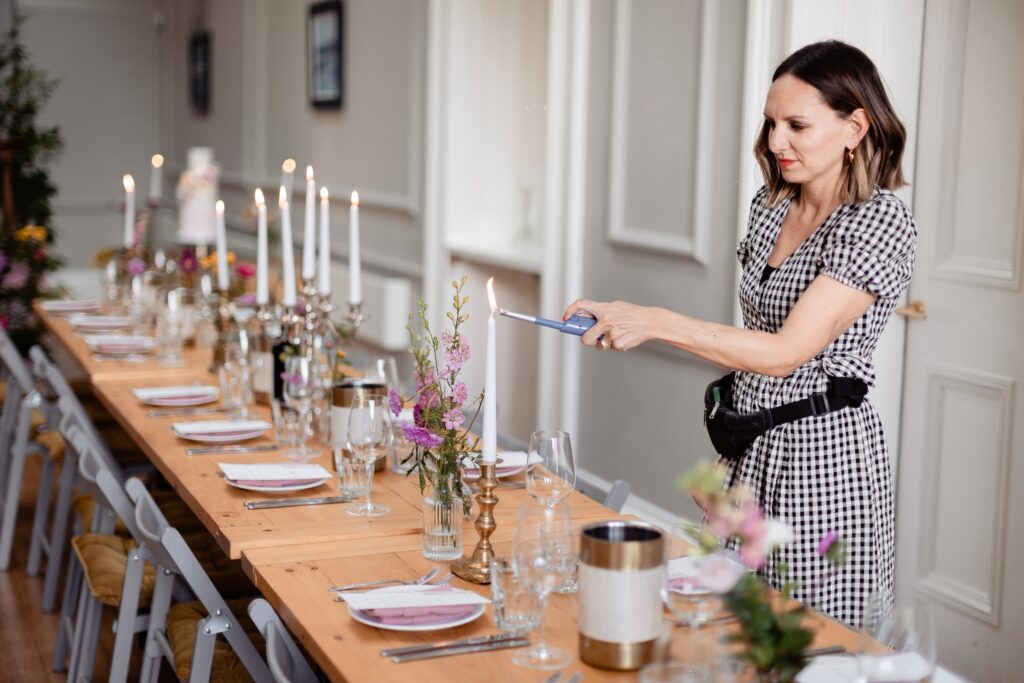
622 325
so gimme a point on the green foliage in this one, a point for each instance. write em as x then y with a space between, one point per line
24 253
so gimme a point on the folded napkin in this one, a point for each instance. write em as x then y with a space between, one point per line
71 305
221 427
421 615
273 473
170 393
86 320
512 462
697 574
117 343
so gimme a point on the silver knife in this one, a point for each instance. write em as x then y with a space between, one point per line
461 650
575 678
185 411
290 502
460 642
228 450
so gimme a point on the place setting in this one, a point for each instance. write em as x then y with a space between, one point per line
69 307
123 348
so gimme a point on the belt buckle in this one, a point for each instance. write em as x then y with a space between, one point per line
819 404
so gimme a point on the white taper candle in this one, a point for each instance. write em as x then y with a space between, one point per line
490 447
223 279
355 277
287 253
324 285
129 210
309 228
262 290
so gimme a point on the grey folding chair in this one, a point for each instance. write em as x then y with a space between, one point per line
16 444
283 656
174 559
615 498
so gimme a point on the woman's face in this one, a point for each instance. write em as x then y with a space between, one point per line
808 138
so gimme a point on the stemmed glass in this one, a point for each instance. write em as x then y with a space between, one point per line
369 437
896 644
384 369
551 476
543 558
299 392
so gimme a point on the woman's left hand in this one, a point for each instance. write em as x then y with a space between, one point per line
624 325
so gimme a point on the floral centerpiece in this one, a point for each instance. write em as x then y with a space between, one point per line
442 445
772 636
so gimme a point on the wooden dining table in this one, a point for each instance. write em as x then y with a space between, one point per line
293 555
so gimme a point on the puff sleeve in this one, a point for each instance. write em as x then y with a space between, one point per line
872 248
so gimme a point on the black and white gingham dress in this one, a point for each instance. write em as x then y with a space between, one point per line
831 472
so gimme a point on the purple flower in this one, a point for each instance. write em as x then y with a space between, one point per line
188 261
136 266
417 414
421 436
295 379
246 300
394 402
452 418
456 353
17 276
825 544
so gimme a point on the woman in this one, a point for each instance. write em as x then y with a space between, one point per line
828 252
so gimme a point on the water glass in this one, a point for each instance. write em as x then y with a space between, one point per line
551 472
170 341
369 439
351 474
288 426
299 391
401 449
384 369
516 607
897 642
236 389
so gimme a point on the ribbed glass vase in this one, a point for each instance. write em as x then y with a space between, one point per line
443 519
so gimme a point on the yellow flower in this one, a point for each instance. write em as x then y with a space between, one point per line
31 232
210 262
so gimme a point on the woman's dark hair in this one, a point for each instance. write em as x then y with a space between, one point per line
847 80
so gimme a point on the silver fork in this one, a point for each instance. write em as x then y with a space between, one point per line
443 582
383 582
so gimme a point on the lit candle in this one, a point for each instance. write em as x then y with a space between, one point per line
309 228
324 286
223 282
355 279
287 174
490 449
156 179
129 210
287 256
262 294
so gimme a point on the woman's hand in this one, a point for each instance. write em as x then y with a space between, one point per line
623 325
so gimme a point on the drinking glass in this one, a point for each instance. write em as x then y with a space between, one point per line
551 476
288 427
543 559
110 283
384 369
351 474
235 383
516 607
369 438
299 390
896 644
169 340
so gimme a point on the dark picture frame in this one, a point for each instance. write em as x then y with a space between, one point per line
325 33
199 68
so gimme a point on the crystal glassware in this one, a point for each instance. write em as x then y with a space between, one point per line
351 474
516 606
169 340
551 476
897 641
369 438
235 383
299 390
288 427
543 558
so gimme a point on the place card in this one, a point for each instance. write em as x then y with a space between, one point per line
273 471
417 597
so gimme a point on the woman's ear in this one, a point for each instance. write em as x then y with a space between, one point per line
859 124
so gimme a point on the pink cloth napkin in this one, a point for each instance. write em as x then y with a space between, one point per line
411 616
274 482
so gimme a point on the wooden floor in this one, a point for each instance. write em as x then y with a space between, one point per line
27 636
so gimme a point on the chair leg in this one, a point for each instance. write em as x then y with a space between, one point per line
13 492
152 656
127 612
202 653
85 605
59 536
65 628
36 545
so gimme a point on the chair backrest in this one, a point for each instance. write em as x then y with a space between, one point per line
617 495
18 381
171 553
283 656
107 489
14 364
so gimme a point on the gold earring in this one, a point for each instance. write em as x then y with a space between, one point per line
849 155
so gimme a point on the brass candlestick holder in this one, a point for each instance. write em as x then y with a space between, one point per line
477 567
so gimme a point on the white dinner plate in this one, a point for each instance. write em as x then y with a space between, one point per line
363 619
277 489
830 669
230 437
220 431
690 567
177 396
99 322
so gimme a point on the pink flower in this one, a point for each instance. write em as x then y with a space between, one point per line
136 266
17 276
719 574
245 270
394 402
826 542
460 394
247 299
453 418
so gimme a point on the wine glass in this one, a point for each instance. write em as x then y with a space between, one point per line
550 472
299 392
543 558
384 369
551 476
897 643
369 437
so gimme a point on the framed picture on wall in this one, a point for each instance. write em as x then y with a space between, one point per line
199 71
324 35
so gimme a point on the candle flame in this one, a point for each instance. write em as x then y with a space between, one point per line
490 295
129 182
158 160
220 207
309 173
355 198
258 194
288 166
323 194
282 197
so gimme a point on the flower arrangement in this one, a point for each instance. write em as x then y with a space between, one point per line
441 445
771 632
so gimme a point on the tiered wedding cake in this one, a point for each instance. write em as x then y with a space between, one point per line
197 195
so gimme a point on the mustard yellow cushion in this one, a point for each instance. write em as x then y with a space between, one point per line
83 505
182 620
104 559
52 442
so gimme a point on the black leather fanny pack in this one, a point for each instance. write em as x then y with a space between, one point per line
732 433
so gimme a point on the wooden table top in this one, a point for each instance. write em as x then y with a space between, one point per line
348 650
74 343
